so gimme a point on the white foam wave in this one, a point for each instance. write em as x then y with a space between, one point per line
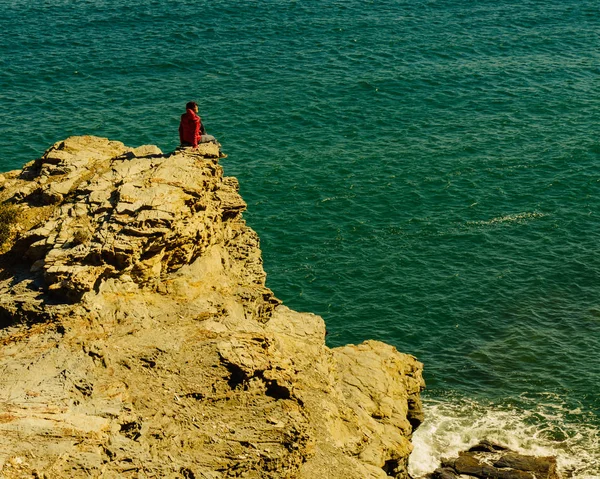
543 426
519 217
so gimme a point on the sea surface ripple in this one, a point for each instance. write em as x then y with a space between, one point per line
425 173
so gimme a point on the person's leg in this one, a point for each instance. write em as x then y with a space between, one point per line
208 139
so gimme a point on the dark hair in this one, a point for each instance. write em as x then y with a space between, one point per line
190 105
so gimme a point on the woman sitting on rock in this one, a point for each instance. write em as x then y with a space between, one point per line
191 130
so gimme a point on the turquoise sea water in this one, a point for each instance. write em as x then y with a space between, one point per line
425 173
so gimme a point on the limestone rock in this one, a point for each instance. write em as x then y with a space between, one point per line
138 338
210 150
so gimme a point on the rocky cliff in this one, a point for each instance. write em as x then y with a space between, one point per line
138 338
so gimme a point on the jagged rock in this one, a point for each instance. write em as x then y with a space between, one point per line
487 446
487 460
444 473
138 338
541 466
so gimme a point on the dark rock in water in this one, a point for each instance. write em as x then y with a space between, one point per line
443 473
487 446
540 466
465 463
487 460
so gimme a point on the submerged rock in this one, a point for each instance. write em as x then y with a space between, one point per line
138 338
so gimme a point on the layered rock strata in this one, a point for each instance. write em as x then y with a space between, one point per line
138 338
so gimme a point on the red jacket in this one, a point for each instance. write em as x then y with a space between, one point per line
189 128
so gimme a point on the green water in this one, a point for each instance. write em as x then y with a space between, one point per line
425 173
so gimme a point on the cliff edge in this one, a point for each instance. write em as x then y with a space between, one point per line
138 338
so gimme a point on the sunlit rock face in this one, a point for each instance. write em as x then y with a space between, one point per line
138 338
